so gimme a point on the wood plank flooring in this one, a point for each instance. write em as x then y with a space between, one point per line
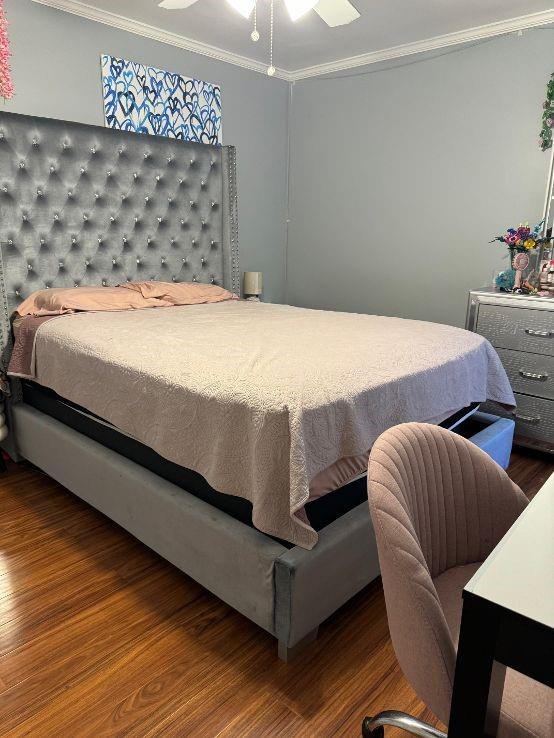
101 637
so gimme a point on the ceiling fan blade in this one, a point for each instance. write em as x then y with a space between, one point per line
298 8
176 4
244 7
336 12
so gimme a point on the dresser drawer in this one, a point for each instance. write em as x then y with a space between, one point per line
530 374
534 418
523 329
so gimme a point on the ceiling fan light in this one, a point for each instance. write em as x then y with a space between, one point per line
176 4
298 8
244 7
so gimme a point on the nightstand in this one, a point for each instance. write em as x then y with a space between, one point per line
521 328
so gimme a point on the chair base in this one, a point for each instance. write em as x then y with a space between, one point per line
374 727
378 732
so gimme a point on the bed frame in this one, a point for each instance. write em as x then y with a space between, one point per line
83 205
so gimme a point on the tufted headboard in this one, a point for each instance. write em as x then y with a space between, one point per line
85 205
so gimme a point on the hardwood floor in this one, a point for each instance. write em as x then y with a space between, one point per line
101 637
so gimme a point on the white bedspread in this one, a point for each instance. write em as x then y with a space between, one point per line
259 398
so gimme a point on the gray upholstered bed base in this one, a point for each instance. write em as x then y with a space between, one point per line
288 592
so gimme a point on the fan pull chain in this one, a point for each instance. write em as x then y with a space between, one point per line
255 36
271 68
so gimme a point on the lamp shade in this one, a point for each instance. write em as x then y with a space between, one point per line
253 283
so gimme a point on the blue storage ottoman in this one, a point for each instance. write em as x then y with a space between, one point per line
493 434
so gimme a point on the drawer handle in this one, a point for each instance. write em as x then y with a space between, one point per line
539 334
528 418
533 375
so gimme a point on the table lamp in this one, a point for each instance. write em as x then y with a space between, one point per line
253 285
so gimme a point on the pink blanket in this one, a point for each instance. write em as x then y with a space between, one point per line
260 398
22 360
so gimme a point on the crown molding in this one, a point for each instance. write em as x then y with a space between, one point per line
468 35
500 28
159 34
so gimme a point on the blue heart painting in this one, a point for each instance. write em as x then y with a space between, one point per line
148 100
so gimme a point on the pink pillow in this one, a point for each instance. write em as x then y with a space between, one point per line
181 293
60 300
128 296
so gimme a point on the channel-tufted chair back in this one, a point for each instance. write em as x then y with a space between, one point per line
437 502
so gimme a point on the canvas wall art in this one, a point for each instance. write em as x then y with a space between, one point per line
144 99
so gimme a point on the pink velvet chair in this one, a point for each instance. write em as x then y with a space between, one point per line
439 506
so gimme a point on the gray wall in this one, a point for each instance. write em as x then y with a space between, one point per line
400 177
56 66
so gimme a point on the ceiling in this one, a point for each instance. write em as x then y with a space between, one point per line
309 46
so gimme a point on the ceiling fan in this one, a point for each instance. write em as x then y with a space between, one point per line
333 12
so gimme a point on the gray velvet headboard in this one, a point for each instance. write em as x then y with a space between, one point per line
84 205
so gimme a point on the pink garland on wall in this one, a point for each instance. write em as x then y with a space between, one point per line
6 85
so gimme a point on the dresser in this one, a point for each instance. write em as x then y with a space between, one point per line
521 328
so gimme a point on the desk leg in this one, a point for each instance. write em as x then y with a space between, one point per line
479 679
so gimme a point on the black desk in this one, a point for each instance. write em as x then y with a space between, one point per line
507 620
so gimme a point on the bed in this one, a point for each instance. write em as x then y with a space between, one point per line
269 398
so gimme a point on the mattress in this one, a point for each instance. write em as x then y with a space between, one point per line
321 510
260 399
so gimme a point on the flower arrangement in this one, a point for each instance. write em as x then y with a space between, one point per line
520 240
6 85
545 139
